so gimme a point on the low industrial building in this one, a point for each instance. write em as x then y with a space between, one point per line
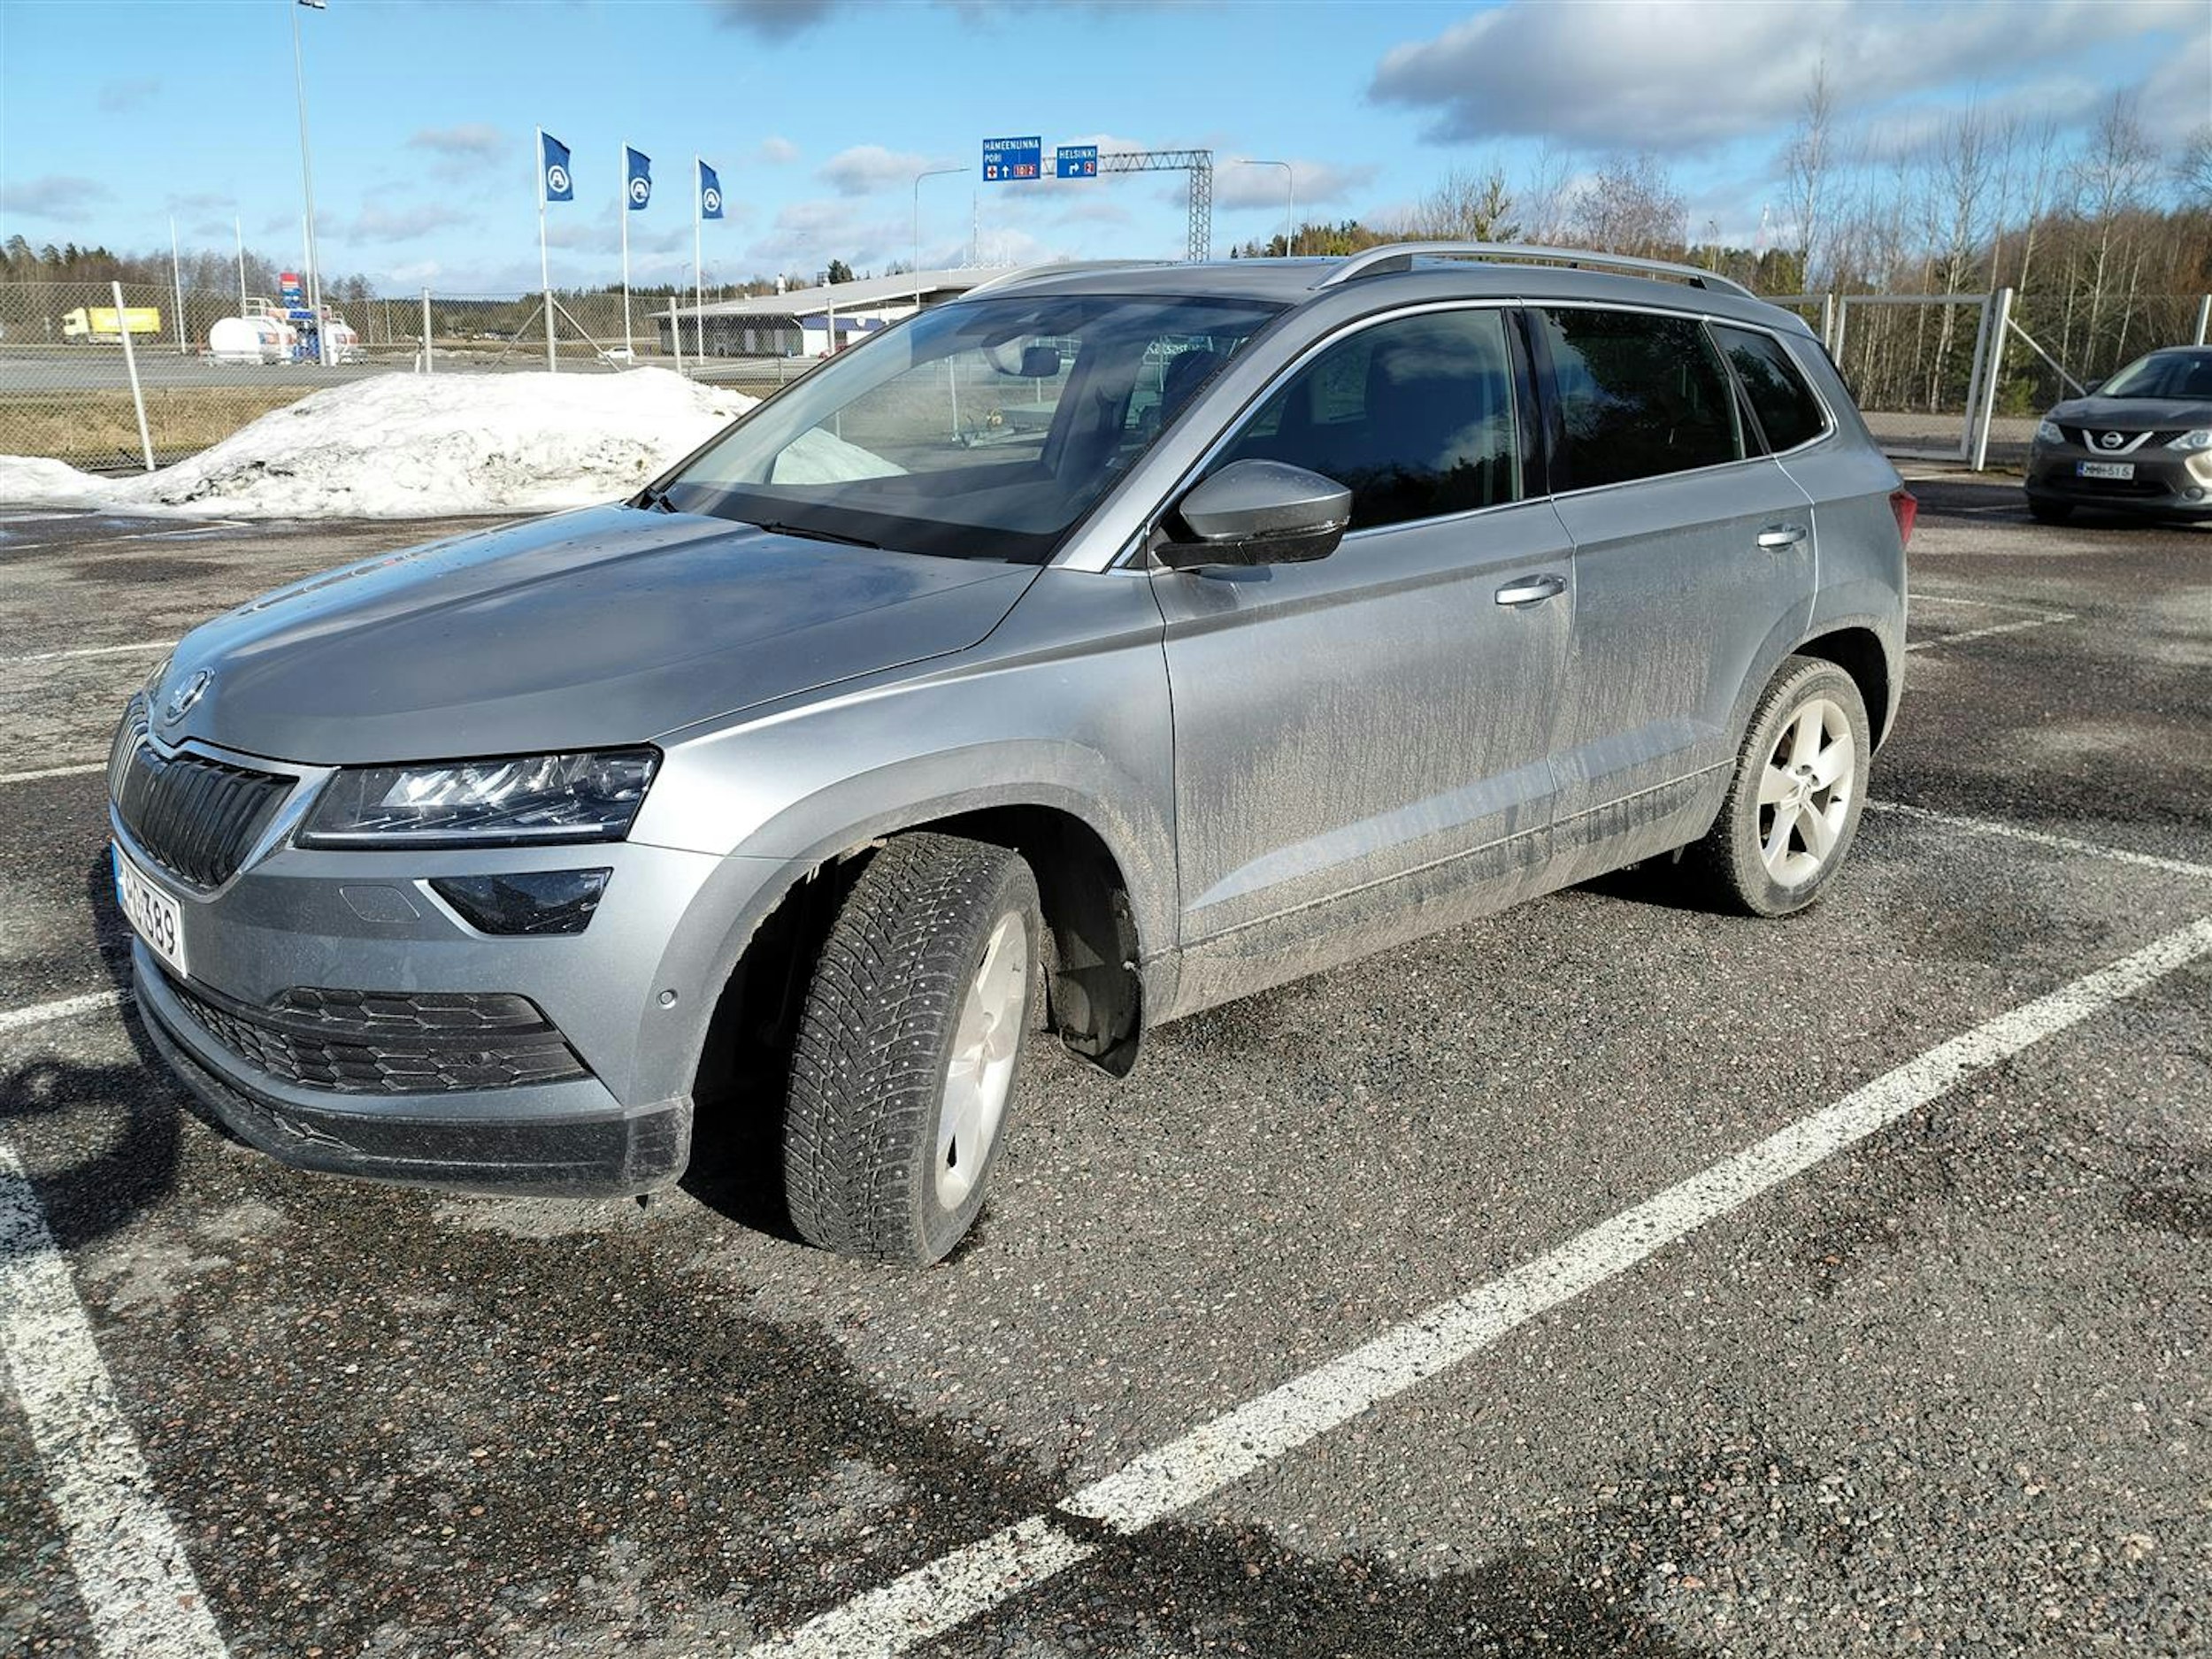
801 322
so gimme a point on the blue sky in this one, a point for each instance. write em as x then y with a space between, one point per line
818 113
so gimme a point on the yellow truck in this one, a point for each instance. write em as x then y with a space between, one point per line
97 323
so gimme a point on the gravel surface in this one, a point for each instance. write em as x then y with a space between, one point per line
1945 1394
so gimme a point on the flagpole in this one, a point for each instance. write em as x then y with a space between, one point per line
624 203
698 276
545 277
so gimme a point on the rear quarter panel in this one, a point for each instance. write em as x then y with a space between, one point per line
1860 579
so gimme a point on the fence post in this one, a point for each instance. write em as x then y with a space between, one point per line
130 365
427 366
1827 317
1843 316
1974 378
1991 380
2204 319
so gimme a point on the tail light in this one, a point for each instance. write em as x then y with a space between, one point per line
1908 511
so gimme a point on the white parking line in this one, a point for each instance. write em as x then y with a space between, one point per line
2022 625
89 650
2059 843
131 1569
1918 598
67 1007
77 770
928 1601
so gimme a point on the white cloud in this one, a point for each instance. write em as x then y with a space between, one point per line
776 151
1674 74
774 19
1317 182
117 97
865 169
473 139
56 195
378 223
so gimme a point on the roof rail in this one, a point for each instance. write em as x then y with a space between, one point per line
1399 255
1061 267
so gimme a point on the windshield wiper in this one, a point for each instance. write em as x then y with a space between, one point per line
818 535
654 499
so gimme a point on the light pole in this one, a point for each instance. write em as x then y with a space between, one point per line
307 187
1290 207
933 172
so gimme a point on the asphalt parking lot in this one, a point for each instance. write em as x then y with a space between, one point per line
1832 1285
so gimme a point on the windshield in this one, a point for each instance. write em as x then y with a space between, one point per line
2163 374
981 429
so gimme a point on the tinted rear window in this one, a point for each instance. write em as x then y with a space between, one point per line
1641 395
1789 412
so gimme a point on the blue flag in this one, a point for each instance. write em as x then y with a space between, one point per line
641 171
709 193
553 164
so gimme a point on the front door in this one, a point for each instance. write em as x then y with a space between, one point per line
1362 743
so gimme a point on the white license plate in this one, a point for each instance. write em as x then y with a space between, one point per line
2104 469
154 917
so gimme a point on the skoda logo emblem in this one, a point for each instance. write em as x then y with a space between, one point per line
2113 440
557 178
713 201
640 189
184 696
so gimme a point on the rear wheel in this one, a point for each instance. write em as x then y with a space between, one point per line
2049 511
909 1049
1793 807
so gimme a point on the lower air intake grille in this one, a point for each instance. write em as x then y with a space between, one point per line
389 1042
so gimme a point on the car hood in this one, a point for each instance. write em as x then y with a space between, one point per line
606 626
2134 414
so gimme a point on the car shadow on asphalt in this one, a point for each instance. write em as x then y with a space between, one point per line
133 1168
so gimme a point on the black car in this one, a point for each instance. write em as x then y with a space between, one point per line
2140 444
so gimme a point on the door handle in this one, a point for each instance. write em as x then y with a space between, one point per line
1781 535
1531 590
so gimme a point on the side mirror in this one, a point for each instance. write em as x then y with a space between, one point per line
1257 513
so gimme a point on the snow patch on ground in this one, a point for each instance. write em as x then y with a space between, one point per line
408 446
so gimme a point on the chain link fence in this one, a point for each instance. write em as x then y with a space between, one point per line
66 388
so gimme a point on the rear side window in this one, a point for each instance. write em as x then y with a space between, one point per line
1640 396
1789 412
1414 414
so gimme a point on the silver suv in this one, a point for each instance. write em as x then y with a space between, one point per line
1108 644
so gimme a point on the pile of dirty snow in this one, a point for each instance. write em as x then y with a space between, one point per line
405 446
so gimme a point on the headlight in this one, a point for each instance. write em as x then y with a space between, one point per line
2201 439
2048 432
529 801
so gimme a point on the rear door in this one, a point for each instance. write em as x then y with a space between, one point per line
1366 736
1693 575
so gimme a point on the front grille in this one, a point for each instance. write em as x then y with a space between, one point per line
387 1042
2086 437
196 817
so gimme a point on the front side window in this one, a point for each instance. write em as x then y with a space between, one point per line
1788 412
982 429
1640 396
1416 415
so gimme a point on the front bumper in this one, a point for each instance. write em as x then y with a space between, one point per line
578 1080
2166 484
568 1139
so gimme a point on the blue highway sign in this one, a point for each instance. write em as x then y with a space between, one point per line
1012 158
1077 161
